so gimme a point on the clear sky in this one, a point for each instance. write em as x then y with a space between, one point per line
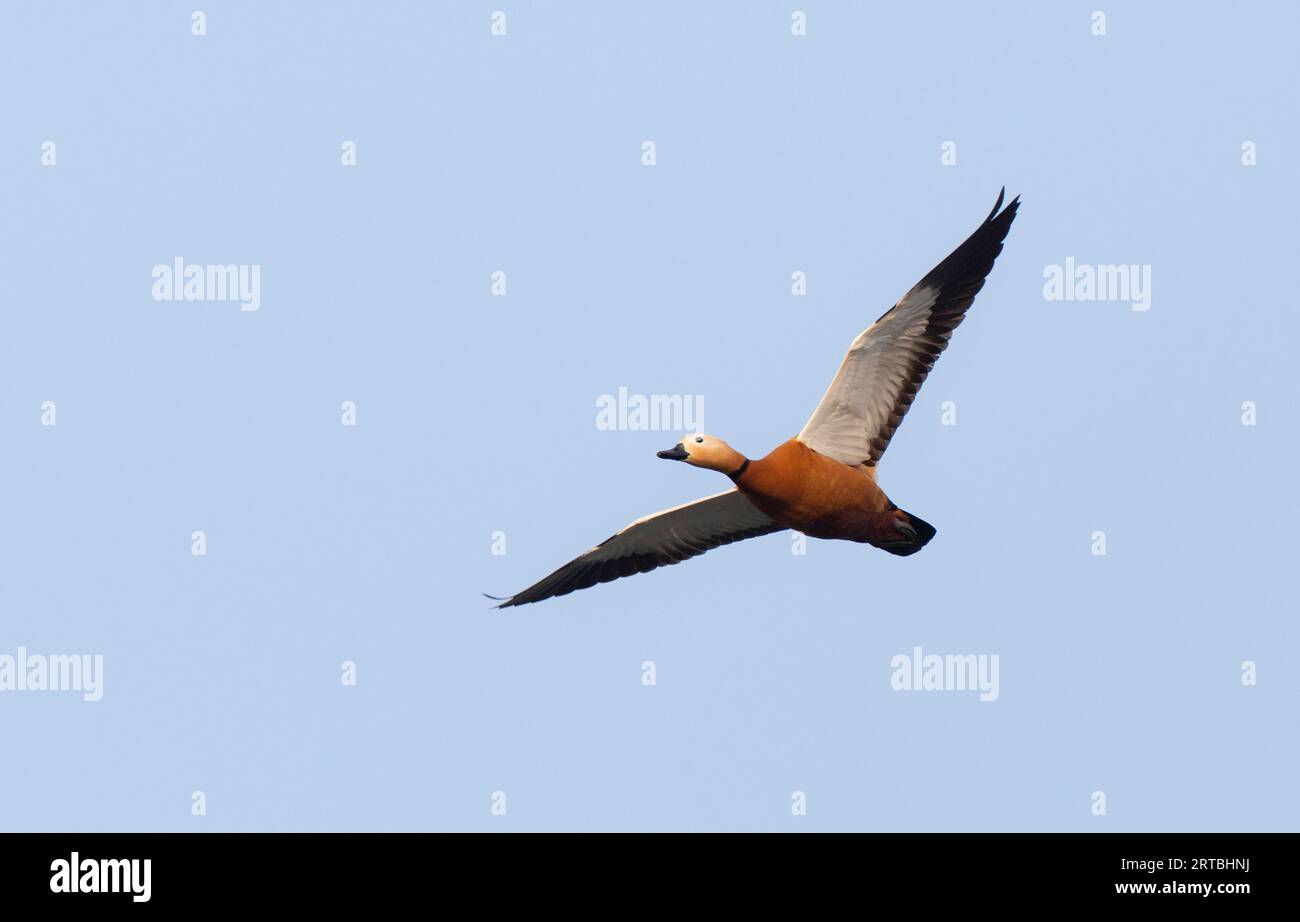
476 414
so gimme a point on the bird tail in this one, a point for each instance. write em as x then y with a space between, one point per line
913 533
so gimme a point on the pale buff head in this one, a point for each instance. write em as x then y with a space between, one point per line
705 451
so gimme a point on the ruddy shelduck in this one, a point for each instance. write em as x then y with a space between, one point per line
822 482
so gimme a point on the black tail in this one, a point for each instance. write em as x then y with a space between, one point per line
914 533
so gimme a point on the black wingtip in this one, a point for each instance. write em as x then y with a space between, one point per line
998 204
505 600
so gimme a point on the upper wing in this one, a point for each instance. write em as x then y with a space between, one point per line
887 363
657 540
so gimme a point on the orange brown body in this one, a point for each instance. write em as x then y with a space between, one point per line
821 497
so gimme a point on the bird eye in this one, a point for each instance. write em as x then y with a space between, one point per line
699 438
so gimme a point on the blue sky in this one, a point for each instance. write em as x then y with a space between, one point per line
476 414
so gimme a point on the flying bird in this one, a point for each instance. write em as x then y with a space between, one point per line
822 482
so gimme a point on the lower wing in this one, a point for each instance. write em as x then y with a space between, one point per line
657 540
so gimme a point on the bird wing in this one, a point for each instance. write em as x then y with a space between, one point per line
657 540
889 361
